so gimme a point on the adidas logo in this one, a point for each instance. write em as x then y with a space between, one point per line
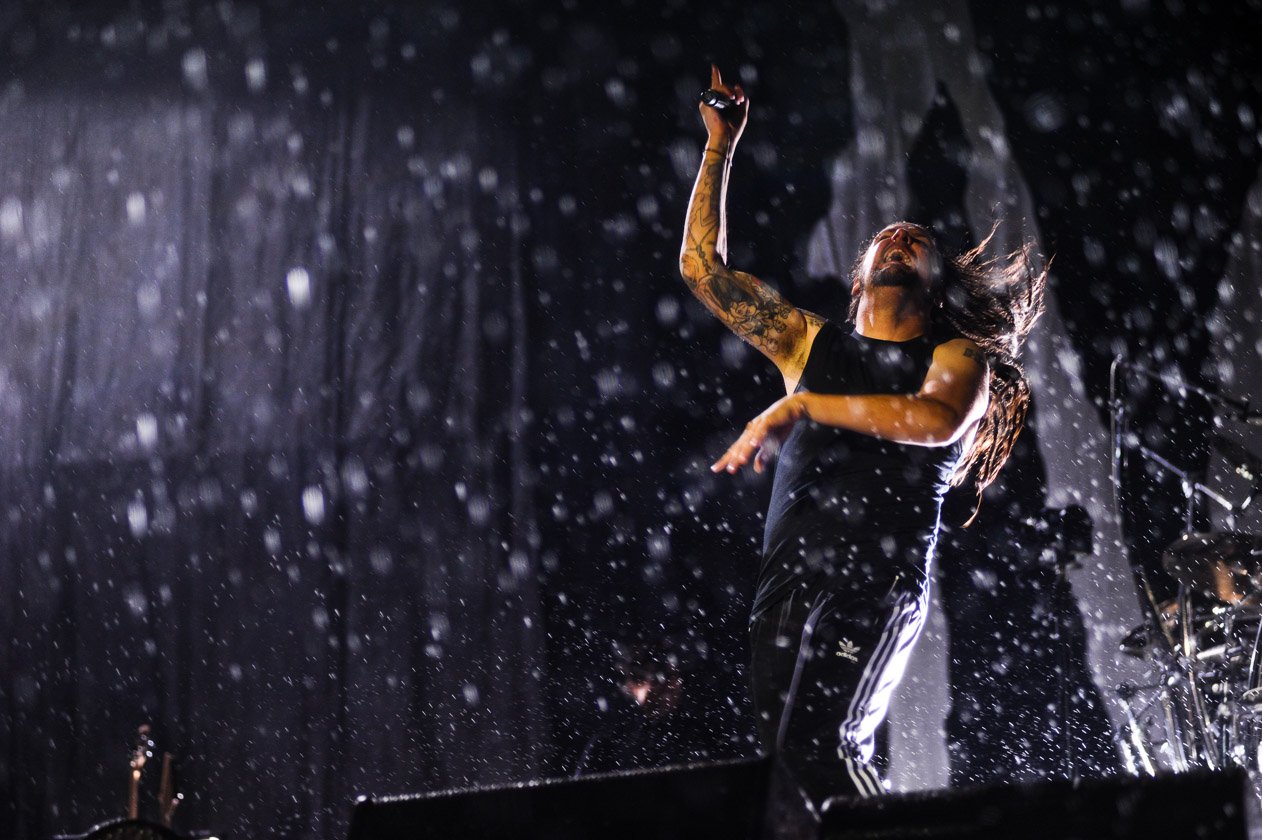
848 650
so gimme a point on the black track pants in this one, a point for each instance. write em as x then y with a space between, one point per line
825 664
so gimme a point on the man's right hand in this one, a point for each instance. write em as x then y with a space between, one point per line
725 126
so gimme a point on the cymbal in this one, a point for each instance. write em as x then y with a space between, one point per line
1226 565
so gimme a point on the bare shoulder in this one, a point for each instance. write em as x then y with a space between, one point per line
957 350
958 377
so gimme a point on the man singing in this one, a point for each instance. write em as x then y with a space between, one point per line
917 390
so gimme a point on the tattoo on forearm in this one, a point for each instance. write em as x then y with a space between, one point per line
705 221
750 308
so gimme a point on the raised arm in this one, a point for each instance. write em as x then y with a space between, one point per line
950 402
749 307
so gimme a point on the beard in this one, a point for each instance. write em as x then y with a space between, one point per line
894 274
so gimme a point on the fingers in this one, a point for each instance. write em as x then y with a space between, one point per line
761 439
739 453
716 82
728 460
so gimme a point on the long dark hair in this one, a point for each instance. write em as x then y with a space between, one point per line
994 301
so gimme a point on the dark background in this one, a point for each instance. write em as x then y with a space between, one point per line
353 417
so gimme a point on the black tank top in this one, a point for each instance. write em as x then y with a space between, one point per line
848 509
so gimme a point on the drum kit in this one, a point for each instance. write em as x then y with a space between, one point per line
1207 653
1203 709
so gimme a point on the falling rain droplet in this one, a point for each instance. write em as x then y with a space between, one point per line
136 601
11 217
255 74
298 282
138 517
147 431
194 66
313 505
136 208
1045 112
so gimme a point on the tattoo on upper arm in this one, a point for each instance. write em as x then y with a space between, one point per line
751 308
975 354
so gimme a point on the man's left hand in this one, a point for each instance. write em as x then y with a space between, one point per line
763 435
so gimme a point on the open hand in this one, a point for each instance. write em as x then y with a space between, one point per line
763 435
725 126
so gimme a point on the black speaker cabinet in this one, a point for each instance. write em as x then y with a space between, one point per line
1184 807
697 802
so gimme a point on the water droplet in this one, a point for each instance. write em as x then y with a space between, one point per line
10 217
271 540
298 283
147 431
138 517
255 74
313 505
194 66
136 208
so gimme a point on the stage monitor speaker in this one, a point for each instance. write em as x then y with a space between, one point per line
1176 807
697 802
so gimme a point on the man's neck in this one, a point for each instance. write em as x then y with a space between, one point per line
890 314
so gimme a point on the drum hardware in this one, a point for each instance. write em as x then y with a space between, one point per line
1205 711
1134 749
1220 653
1137 643
1225 566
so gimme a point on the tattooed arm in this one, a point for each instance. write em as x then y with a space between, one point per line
949 406
750 308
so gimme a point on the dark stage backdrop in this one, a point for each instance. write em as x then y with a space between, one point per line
331 341
265 470
353 418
